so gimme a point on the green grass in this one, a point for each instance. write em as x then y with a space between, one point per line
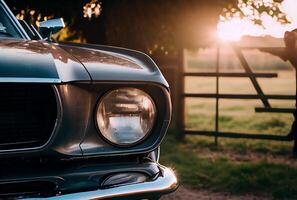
222 174
236 116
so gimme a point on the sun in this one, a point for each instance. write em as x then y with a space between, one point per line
235 28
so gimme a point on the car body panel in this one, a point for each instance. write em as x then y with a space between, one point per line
41 61
106 63
35 61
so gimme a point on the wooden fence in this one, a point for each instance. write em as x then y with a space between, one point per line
175 73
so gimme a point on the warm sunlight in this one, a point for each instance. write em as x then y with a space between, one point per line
249 21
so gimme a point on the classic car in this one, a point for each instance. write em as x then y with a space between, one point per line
78 121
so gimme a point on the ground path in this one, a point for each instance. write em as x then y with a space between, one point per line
184 193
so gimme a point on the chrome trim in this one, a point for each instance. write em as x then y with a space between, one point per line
28 80
165 183
56 126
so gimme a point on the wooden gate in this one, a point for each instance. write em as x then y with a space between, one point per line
248 73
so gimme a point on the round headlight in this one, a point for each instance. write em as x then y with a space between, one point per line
125 116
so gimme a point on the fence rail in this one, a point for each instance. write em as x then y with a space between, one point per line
230 74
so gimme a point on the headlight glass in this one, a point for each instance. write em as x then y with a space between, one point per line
125 116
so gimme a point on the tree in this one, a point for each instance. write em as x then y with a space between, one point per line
250 17
154 26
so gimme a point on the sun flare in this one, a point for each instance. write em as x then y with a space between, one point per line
247 21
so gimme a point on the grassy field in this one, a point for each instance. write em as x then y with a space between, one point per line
237 166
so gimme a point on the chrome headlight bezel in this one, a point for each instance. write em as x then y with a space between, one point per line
147 134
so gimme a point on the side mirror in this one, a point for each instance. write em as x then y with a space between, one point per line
49 27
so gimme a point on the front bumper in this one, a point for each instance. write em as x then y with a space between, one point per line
164 183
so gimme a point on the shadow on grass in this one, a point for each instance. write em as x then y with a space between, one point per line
223 174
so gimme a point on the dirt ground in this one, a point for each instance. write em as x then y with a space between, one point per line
184 193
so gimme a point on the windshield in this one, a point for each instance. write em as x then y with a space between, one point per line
7 28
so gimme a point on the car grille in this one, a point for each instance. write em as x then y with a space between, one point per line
27 189
28 114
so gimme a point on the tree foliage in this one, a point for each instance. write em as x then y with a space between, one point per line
153 26
254 10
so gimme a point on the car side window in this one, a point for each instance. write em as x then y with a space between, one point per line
30 30
6 27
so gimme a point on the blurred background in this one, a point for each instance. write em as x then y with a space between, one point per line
227 81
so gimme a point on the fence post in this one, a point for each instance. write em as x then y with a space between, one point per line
217 95
180 83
